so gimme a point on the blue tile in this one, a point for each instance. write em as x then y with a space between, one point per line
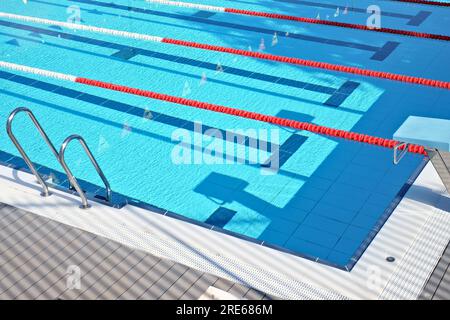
220 217
319 183
302 203
356 233
364 221
346 203
311 192
214 191
345 216
329 172
347 246
340 258
282 225
326 224
373 210
316 236
380 199
274 237
307 248
289 212
349 192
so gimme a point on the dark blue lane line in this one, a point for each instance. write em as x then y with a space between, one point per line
342 93
287 150
220 217
385 51
226 83
204 14
416 20
124 51
231 25
123 107
419 18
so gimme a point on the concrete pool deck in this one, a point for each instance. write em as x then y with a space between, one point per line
38 255
416 235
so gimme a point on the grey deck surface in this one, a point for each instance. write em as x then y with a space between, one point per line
37 254
438 286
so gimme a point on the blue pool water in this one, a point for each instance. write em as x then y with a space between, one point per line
329 197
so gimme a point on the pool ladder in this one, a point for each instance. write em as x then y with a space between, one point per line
60 156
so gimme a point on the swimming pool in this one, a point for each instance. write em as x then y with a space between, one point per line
328 198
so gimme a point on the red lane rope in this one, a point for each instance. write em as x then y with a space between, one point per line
315 64
431 3
339 24
359 137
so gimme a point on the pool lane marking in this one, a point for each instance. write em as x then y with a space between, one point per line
229 25
336 98
298 125
240 52
430 3
69 25
301 19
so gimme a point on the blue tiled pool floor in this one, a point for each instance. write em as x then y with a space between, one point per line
329 197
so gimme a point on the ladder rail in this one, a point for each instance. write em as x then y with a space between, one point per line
45 189
73 180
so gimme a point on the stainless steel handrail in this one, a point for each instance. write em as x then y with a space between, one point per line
45 192
72 179
398 156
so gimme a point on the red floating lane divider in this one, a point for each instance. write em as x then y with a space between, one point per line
315 64
431 3
340 24
359 137
258 55
300 19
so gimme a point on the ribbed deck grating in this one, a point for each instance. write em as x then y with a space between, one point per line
419 262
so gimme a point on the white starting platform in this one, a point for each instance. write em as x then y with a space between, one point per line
432 133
